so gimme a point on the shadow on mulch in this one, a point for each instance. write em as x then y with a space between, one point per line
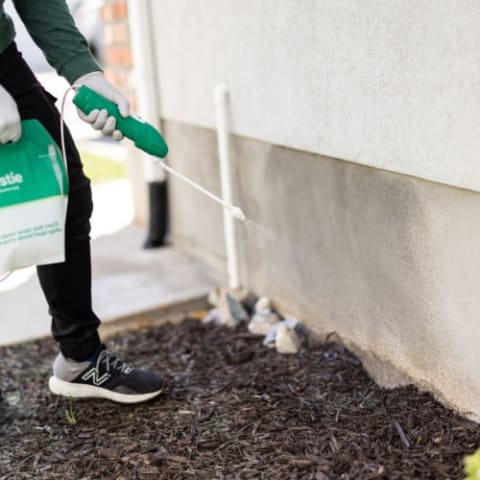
234 410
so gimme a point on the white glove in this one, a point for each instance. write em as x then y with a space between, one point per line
99 119
10 126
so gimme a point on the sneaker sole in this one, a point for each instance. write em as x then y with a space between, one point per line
74 390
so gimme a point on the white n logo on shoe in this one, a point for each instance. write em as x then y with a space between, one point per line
93 374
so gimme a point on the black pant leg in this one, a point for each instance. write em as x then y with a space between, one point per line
67 286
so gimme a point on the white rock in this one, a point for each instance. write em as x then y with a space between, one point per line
269 340
263 318
216 295
291 322
213 317
286 340
261 323
231 311
263 303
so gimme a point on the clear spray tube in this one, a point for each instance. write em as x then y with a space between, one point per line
235 211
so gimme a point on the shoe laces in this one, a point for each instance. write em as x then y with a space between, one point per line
112 362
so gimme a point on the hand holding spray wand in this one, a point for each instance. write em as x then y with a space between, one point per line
145 137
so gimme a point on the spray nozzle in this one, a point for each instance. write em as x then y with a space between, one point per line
238 214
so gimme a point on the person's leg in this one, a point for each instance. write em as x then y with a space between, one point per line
84 367
67 286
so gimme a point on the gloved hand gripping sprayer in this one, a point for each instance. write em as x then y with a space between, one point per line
145 137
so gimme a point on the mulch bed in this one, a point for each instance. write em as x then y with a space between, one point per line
233 410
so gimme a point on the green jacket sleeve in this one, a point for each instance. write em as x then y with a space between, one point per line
51 26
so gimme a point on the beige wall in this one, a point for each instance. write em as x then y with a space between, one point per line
390 84
389 262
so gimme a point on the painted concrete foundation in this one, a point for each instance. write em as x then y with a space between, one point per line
389 262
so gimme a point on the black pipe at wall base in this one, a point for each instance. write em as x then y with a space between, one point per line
158 215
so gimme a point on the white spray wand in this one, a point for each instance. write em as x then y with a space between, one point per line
145 137
236 212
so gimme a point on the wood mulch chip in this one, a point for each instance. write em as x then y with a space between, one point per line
233 409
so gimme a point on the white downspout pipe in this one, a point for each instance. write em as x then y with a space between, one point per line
221 106
145 74
142 42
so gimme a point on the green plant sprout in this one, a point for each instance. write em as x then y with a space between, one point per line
70 414
472 466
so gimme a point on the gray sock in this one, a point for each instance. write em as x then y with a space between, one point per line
67 369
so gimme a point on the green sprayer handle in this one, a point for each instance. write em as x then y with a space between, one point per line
145 136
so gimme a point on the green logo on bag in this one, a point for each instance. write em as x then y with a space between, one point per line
11 181
31 169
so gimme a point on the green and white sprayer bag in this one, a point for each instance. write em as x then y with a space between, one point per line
33 200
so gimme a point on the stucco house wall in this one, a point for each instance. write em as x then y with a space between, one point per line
355 132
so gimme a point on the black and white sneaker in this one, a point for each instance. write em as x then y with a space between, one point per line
105 377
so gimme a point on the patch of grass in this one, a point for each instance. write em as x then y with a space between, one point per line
102 169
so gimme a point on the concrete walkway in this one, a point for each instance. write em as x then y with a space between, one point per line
127 279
